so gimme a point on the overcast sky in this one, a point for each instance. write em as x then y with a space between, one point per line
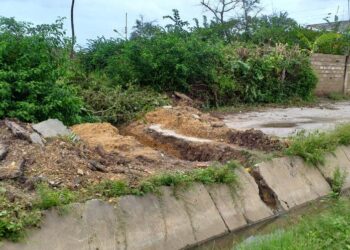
99 17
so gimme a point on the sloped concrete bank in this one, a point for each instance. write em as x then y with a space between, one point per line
178 219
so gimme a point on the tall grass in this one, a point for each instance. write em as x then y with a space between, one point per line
329 230
313 147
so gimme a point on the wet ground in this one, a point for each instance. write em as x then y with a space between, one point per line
284 122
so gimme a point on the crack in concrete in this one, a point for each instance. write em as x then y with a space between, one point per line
222 217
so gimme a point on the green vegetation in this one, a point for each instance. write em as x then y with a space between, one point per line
33 65
211 175
49 198
313 147
338 181
15 217
329 230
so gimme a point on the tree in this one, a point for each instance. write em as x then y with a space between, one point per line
72 26
220 8
179 24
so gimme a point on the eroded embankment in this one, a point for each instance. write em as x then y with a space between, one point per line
178 218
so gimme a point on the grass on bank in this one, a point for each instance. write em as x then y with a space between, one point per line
16 216
313 147
328 230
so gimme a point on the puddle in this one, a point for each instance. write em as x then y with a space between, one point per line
286 122
280 125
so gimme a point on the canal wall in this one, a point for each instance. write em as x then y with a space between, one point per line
181 218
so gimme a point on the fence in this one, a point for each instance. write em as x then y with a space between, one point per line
333 72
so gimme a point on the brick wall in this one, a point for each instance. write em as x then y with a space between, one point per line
330 70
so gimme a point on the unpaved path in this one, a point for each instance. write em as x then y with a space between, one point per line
284 122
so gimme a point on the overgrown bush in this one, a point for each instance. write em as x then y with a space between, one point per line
332 43
270 74
33 63
120 104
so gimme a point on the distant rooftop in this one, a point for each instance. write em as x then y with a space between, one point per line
343 26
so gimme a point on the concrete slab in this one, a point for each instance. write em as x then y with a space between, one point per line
57 232
229 208
254 209
179 232
293 182
143 222
205 218
51 128
100 220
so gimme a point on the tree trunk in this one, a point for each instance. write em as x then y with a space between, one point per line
72 26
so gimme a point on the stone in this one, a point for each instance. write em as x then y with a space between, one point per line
17 130
183 97
177 222
51 128
293 181
13 171
35 138
80 171
143 222
95 166
3 151
228 207
254 209
205 217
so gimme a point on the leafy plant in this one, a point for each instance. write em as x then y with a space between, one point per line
49 198
33 62
338 181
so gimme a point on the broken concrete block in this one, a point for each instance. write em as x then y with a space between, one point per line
35 138
254 209
51 128
205 218
293 181
17 130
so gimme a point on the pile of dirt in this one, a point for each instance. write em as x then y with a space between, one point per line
187 121
62 162
255 139
108 137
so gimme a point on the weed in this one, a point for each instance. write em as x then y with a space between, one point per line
338 182
49 198
328 230
15 217
313 147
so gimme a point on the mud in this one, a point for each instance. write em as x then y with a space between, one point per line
288 121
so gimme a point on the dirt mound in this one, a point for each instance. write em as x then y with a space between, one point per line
254 139
62 162
188 121
107 136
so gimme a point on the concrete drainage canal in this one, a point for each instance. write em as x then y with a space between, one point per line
171 139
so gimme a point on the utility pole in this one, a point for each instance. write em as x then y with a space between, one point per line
72 26
126 26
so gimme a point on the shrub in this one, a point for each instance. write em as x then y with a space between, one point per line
270 74
120 105
33 62
332 43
